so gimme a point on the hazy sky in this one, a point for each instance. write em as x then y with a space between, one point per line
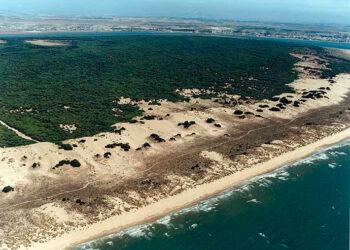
316 11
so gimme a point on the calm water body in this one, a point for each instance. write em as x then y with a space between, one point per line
304 205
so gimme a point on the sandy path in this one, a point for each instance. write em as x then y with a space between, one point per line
20 134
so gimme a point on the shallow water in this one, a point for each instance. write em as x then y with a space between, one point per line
304 205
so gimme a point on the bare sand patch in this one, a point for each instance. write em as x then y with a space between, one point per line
3 41
68 127
58 213
122 100
48 43
341 53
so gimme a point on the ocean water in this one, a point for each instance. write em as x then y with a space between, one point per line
304 205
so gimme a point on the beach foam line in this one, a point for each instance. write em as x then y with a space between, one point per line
185 199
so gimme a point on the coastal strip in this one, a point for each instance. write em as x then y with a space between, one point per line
185 199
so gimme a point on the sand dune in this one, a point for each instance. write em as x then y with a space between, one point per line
49 43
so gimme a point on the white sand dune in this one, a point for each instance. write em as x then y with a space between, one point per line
49 43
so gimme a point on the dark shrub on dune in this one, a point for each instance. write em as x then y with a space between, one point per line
309 96
186 124
263 106
149 117
75 163
107 155
280 105
157 138
80 202
67 147
274 99
61 163
210 120
274 109
285 101
318 95
8 189
296 104
238 112
119 131
124 146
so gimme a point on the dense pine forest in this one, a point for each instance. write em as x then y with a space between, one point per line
90 73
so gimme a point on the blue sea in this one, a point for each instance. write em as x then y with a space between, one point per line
304 205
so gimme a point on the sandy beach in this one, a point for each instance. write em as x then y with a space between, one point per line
186 198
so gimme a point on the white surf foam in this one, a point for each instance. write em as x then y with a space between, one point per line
332 165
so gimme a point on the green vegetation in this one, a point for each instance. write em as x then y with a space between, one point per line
8 138
67 147
336 66
79 84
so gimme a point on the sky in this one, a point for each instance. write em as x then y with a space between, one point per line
295 11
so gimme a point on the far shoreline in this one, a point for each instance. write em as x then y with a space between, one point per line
187 198
69 34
